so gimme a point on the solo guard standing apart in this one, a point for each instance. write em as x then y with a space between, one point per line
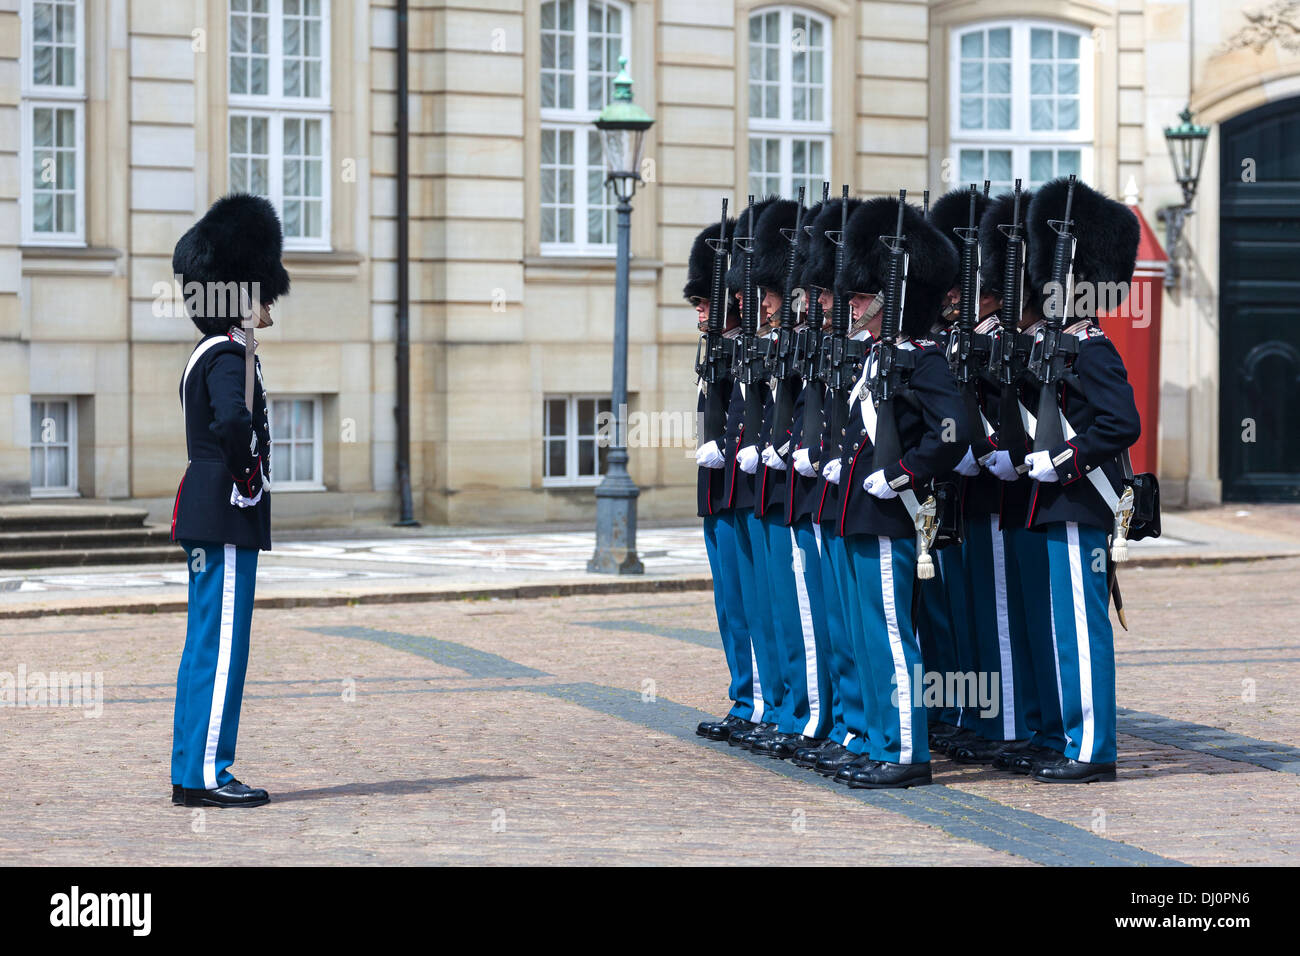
229 266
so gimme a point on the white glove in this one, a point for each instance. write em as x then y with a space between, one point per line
772 459
708 456
803 464
999 464
831 471
877 487
968 466
1040 466
747 457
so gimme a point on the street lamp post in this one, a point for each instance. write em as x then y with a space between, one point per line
622 125
1186 143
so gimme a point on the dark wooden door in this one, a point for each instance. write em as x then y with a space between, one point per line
1259 304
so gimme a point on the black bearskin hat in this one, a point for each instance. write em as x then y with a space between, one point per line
803 243
951 211
993 244
699 267
771 248
1107 240
238 240
932 260
819 265
736 270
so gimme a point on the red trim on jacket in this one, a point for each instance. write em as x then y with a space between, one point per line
177 506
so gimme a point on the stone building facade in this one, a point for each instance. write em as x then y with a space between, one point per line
121 120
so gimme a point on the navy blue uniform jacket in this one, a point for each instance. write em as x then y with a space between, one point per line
223 456
1098 403
935 407
739 487
710 482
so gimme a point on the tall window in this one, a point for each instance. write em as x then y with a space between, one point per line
581 43
53 148
296 444
572 450
54 446
279 121
1021 102
789 102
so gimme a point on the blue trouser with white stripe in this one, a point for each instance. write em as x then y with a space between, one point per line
751 555
848 722
1081 631
997 618
951 565
935 631
855 679
794 571
884 570
210 681
729 604
1028 550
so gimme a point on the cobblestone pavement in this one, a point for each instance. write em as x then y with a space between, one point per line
561 731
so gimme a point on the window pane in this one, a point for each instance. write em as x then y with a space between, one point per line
56 467
43 66
586 416
43 212
303 463
1040 114
972 77
280 411
1040 78
1067 78
999 169
999 78
302 419
1040 44
1040 166
1068 162
972 45
586 457
1000 43
1067 113
555 421
554 461
1067 46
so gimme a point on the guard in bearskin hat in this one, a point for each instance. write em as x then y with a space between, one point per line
816 471
742 452
719 518
1027 607
876 519
229 266
798 622
1078 478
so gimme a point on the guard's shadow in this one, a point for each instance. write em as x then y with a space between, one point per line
390 788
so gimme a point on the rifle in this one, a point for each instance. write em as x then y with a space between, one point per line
885 385
808 354
968 352
749 363
781 362
840 354
1005 359
987 184
711 359
1050 352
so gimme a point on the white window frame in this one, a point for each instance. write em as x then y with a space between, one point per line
43 96
571 478
784 128
69 490
280 447
580 120
277 107
1019 139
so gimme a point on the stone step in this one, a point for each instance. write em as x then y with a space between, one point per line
32 560
71 516
62 539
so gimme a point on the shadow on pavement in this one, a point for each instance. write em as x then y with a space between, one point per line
389 788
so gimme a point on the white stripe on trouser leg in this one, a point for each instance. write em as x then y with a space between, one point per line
809 637
1004 630
222 676
755 685
1081 638
901 677
1056 651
